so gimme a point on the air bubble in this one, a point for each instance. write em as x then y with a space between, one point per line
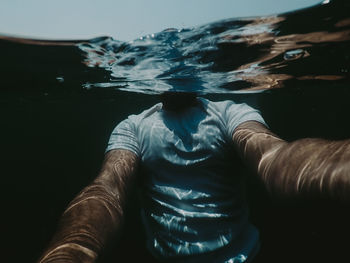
294 54
60 79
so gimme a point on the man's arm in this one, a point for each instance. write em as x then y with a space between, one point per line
304 167
95 213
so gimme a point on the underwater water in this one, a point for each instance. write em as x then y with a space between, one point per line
60 100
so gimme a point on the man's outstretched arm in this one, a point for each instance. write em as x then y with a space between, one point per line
304 167
95 213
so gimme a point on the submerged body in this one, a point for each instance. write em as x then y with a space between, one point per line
193 206
193 193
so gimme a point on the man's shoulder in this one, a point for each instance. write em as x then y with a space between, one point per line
232 114
146 113
222 106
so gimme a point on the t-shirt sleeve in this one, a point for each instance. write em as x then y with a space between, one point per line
236 114
124 137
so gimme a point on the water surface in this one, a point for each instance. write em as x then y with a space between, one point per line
59 101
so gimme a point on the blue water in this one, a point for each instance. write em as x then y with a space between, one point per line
225 57
60 100
229 56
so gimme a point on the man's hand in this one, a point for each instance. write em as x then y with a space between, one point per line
96 212
308 167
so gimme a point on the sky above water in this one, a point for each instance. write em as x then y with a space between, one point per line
128 19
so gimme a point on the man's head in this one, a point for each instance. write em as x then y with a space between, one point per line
178 101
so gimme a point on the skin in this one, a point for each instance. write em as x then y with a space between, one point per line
304 168
307 167
95 213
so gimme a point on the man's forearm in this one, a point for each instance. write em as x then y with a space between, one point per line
94 214
84 227
304 167
309 167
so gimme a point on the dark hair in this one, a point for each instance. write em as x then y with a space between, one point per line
178 101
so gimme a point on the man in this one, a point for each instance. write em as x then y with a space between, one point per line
193 205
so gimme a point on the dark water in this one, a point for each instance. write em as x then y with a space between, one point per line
59 101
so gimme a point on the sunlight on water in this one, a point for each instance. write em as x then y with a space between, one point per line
60 100
230 56
248 55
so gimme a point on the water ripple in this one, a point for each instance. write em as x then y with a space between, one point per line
229 56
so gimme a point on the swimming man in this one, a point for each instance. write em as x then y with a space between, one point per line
193 203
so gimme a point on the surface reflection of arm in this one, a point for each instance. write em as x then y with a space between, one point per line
307 167
95 213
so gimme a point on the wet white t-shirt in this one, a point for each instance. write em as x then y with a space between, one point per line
194 207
